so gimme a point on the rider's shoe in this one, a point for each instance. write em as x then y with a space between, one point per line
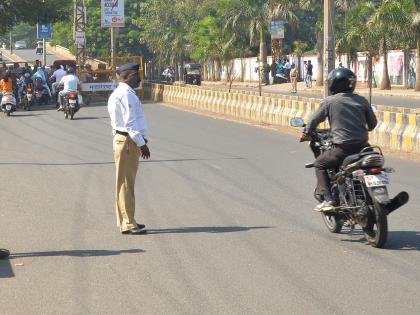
60 109
325 206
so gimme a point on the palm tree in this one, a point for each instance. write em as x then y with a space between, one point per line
255 16
358 34
317 6
390 20
416 27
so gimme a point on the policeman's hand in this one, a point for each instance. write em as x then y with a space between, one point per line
145 153
305 137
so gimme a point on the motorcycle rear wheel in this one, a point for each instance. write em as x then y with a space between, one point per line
376 231
332 223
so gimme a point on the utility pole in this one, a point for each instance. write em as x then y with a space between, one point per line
329 42
11 44
114 32
80 31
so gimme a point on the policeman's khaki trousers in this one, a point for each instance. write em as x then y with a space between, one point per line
126 155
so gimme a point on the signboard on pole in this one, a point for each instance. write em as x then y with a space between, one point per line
80 38
277 29
44 30
112 13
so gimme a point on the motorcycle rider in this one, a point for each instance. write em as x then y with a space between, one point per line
58 74
7 84
70 83
24 82
350 117
40 75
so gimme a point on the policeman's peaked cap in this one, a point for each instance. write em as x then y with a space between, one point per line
132 66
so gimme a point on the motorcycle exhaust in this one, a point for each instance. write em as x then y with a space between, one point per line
398 201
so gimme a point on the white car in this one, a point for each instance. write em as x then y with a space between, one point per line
20 44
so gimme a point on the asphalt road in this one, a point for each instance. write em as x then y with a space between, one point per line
396 101
30 56
228 208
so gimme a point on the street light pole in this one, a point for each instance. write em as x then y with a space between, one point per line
11 45
329 42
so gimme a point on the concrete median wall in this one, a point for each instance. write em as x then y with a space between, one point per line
398 128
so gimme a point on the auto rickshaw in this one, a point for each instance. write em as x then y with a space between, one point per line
39 47
192 73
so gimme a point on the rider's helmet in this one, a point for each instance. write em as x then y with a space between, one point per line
341 80
70 70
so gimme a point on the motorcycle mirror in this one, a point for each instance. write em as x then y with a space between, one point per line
297 122
374 108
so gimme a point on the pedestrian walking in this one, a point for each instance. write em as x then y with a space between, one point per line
309 74
293 78
129 127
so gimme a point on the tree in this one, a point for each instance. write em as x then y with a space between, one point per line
256 16
390 20
416 27
316 7
13 12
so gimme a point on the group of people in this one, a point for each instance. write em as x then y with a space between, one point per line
16 79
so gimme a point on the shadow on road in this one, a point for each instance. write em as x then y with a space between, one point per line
77 253
104 163
89 118
397 240
206 229
403 240
6 270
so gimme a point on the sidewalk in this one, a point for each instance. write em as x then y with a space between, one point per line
286 87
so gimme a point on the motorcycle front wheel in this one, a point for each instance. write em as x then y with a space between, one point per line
376 231
333 224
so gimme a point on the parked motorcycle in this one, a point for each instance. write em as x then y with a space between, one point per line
8 103
359 187
28 98
71 105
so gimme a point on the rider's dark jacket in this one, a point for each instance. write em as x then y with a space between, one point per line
350 117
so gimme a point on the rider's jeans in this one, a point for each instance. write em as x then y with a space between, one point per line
331 159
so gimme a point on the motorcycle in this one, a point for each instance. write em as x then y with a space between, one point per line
28 98
41 93
71 105
359 188
8 103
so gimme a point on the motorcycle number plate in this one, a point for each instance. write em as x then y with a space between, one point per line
72 101
8 107
376 180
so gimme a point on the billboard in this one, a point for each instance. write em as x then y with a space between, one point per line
44 30
277 29
112 13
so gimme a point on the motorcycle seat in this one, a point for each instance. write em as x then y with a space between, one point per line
351 159
355 157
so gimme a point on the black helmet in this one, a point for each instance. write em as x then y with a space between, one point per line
70 70
341 80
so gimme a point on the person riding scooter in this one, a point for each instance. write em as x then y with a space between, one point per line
7 84
70 83
350 117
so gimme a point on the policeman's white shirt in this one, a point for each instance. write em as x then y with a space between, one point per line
70 82
127 114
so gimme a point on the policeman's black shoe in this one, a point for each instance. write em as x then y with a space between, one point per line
4 253
135 231
141 226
